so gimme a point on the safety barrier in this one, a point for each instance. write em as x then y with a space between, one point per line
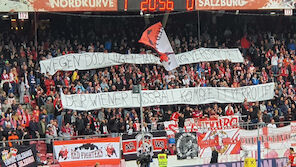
280 132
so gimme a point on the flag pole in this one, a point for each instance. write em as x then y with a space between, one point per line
142 115
165 19
36 32
198 26
258 148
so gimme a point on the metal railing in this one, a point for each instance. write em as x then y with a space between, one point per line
242 125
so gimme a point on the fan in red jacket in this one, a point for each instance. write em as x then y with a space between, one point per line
292 157
49 82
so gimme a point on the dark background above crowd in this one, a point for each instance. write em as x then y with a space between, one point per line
30 102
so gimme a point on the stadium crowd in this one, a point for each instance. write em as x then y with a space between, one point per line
31 106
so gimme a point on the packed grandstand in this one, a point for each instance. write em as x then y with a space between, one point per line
31 106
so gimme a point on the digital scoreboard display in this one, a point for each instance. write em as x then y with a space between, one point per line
156 5
190 5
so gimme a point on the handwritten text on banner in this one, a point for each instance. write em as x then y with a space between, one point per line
193 96
86 61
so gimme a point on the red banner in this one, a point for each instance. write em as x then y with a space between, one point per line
225 141
130 146
243 4
197 125
58 5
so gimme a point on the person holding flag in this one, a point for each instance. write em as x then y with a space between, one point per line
155 37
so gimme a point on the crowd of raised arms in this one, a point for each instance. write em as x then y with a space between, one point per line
31 106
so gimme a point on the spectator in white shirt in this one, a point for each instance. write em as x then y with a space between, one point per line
274 64
169 77
263 106
186 80
271 124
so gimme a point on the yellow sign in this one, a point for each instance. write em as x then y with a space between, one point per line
250 162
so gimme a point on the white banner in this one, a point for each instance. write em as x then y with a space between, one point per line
86 61
193 96
293 133
87 151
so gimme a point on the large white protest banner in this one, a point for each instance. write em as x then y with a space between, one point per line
86 61
209 54
193 96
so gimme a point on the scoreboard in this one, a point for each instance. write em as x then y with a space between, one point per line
189 5
156 5
141 5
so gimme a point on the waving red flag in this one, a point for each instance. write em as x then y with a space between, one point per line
155 37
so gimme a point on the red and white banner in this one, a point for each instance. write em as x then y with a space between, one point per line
293 133
202 125
156 38
88 151
57 5
225 141
275 142
132 145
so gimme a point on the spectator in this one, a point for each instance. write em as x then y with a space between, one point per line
49 109
88 130
33 128
266 59
80 126
12 136
49 136
181 122
67 132
36 113
42 127
26 137
5 84
274 64
104 128
266 117
58 113
272 124
229 110
276 116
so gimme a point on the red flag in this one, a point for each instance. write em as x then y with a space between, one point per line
155 37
